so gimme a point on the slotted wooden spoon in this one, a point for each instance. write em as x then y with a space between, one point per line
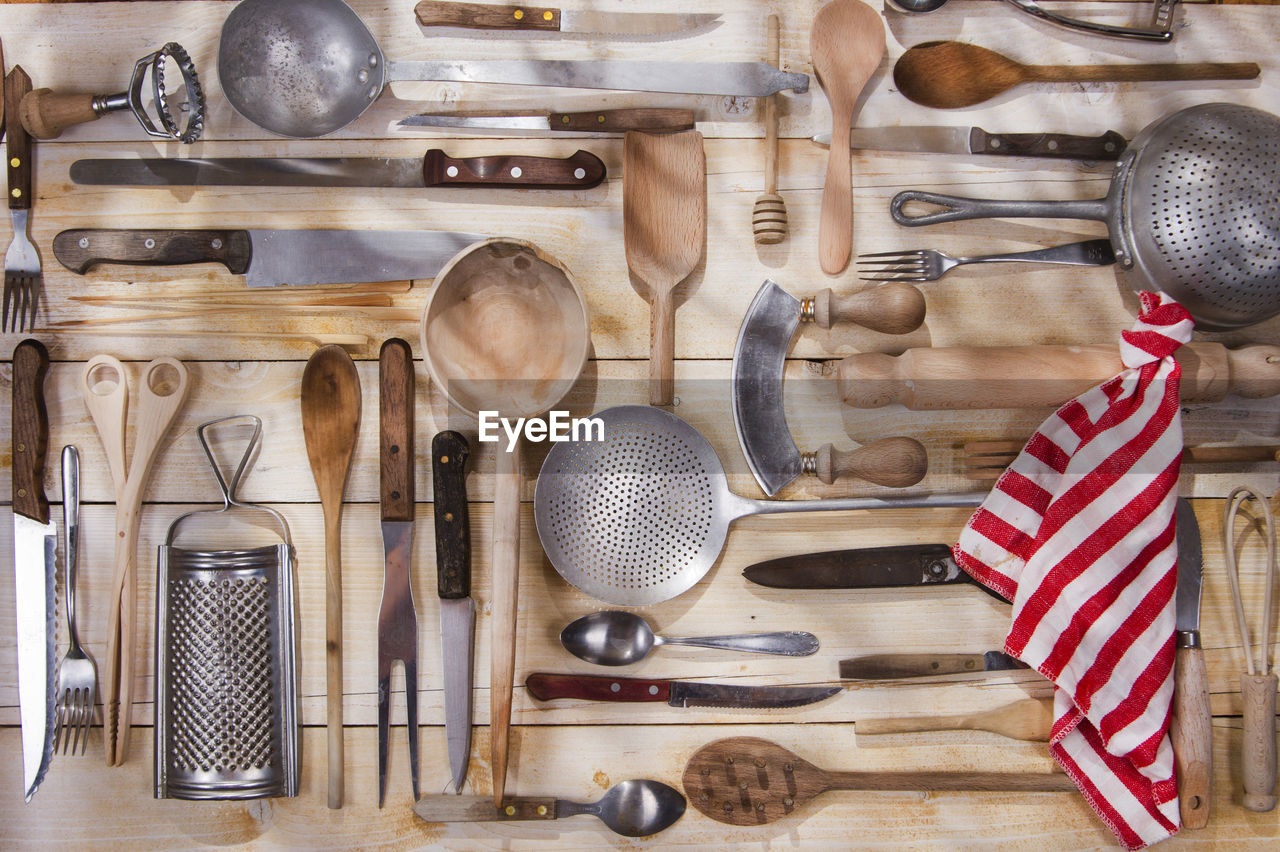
664 226
750 781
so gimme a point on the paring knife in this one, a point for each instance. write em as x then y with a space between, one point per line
600 121
893 666
269 258
581 170
34 544
975 140
449 452
677 693
1191 726
397 617
484 16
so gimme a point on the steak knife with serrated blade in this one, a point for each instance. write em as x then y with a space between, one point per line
677 693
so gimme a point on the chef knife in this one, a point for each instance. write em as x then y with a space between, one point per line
449 452
269 258
893 666
677 693
581 170
34 543
975 140
600 121
484 16
1191 726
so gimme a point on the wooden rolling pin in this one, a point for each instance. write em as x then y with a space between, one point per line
1035 376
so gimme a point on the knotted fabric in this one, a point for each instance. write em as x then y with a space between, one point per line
1079 534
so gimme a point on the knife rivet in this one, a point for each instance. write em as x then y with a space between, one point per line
968 664
600 119
149 243
542 810
760 762
452 171
1053 145
84 242
615 687
994 143
448 516
579 173
516 171
22 448
395 448
15 162
788 801
518 14
444 460
509 810
16 193
217 242
546 16
653 690
22 492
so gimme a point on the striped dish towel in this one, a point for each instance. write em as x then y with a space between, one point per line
1079 534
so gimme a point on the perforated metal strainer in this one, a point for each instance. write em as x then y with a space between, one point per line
641 516
1193 210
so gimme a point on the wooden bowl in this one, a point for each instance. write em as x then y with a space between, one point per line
505 329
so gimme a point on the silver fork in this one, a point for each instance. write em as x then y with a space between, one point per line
77 675
930 265
23 279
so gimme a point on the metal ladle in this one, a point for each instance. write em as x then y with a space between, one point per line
1160 29
620 638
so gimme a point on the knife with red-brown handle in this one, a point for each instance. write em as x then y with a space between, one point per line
677 693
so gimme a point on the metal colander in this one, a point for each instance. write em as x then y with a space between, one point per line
641 516
1193 210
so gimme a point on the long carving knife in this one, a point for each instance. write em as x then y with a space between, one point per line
581 170
1191 726
975 140
486 16
34 544
677 693
449 451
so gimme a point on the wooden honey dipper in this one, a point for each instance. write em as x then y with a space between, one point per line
769 218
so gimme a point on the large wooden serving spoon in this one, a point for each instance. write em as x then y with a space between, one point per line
952 74
750 781
330 421
846 45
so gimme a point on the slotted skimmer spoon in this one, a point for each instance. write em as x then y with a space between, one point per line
641 516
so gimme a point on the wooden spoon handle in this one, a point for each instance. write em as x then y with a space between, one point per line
1143 73
333 650
1022 782
662 348
506 584
835 227
1024 719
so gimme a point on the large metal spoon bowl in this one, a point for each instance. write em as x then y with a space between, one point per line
635 808
620 638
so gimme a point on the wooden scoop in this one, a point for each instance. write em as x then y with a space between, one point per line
664 225
330 421
951 74
750 781
846 44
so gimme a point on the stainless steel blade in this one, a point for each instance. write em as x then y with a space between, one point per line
690 694
478 122
631 23
927 140
34 545
301 257
457 644
405 172
1190 569
752 79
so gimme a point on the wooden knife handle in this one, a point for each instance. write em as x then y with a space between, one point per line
483 16
621 120
447 807
1192 731
893 308
893 666
582 170
893 462
449 452
395 422
30 429
45 113
18 148
547 687
1259 747
1060 145
80 249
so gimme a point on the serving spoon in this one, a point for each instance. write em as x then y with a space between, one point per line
620 638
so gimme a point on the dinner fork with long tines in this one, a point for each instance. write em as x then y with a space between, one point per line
23 278
77 675
930 265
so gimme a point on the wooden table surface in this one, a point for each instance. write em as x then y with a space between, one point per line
573 749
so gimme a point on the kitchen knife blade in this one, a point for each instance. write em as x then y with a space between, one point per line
484 16
582 170
677 693
449 452
893 666
861 568
975 140
34 544
1191 725
600 121
270 258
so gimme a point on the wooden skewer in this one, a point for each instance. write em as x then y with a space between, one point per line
988 459
769 218
318 339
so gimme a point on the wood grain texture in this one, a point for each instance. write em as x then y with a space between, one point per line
18 149
579 170
80 249
30 430
45 113
486 16
1191 730
395 430
449 453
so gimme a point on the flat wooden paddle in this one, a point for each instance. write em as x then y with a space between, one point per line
846 44
330 421
664 226
750 781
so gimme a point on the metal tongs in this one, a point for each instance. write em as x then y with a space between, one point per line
1161 28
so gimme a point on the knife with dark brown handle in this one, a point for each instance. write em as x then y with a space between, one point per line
580 170
82 248
486 16
1058 145
30 430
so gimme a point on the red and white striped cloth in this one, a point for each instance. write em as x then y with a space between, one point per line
1079 534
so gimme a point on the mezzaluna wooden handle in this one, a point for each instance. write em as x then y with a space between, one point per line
1258 751
449 452
46 113
30 429
1155 72
548 687
893 308
395 430
581 170
82 248
505 607
1191 729
17 144
484 16
893 462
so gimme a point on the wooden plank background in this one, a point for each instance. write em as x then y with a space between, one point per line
569 749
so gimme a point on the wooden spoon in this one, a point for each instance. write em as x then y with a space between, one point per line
664 226
1023 719
330 420
951 74
847 44
750 781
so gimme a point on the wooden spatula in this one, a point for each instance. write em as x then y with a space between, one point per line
664 225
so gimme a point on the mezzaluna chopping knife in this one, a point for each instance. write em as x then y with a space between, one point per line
485 16
270 258
677 693
449 452
975 140
34 544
